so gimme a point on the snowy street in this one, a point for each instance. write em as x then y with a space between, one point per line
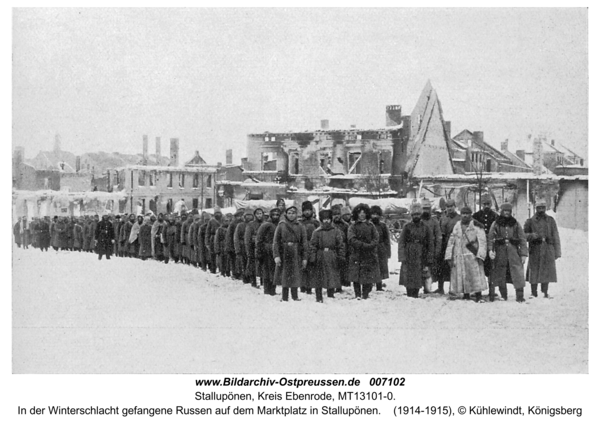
75 314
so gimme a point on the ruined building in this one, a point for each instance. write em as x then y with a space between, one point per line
372 162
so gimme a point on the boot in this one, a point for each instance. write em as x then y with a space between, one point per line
357 291
440 289
545 290
466 296
492 294
319 294
330 293
534 291
285 293
520 295
504 292
379 286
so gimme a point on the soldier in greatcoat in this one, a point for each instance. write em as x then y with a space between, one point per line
170 237
326 250
447 224
186 222
415 252
145 239
507 248
236 272
433 223
290 251
239 244
466 250
209 241
544 249
78 235
157 237
250 245
204 258
486 216
104 236
384 249
363 240
17 232
264 251
219 248
342 226
311 224
43 232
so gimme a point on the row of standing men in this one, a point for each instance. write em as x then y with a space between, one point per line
340 248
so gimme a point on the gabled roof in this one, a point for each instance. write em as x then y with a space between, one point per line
429 151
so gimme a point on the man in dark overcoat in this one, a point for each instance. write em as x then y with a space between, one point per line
415 252
290 251
250 245
433 223
264 251
342 226
486 216
105 237
310 224
363 240
544 249
507 248
384 249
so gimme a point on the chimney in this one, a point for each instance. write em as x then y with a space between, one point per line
393 115
229 156
77 163
448 128
145 149
324 124
521 154
57 143
174 152
352 125
478 136
504 146
552 142
158 156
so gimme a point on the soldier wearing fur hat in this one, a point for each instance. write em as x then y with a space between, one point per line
204 258
415 252
238 217
170 237
487 217
363 240
264 251
434 224
209 240
507 248
326 249
239 244
310 224
219 248
466 250
447 225
384 249
250 246
105 235
290 251
342 226
544 249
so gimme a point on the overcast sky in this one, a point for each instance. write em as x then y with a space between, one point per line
102 78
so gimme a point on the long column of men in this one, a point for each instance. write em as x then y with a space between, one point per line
474 252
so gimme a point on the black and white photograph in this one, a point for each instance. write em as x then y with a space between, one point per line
300 191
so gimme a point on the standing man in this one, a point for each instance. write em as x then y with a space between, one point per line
241 257
544 249
209 241
508 251
204 259
310 224
342 226
183 237
487 217
384 249
446 226
415 252
466 250
363 240
17 232
434 224
290 251
105 236
238 217
250 245
264 251
157 237
326 248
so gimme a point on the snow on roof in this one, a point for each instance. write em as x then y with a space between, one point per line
195 168
501 176
89 195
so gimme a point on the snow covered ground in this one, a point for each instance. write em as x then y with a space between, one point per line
75 314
